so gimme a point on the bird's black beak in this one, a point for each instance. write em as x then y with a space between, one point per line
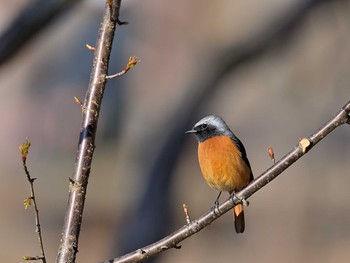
191 131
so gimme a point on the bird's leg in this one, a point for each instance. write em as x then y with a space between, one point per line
216 203
215 208
242 200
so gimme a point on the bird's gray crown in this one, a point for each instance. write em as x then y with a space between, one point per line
211 126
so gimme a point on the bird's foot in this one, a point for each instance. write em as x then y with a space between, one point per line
215 208
241 200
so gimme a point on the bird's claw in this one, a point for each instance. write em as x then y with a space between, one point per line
241 200
215 208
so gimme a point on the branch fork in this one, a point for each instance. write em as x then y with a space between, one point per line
131 63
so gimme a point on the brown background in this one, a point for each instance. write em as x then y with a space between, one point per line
280 95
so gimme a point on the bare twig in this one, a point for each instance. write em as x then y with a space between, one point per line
24 148
187 215
32 258
91 109
89 47
195 226
271 154
78 101
131 63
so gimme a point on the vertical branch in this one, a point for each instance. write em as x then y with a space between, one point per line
91 109
24 151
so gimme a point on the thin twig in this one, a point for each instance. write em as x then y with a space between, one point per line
271 154
91 109
78 101
187 215
89 47
131 63
32 258
195 226
24 148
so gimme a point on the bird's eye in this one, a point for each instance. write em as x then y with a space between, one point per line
204 126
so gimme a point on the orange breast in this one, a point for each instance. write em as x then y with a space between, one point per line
222 165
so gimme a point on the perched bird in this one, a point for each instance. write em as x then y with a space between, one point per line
223 161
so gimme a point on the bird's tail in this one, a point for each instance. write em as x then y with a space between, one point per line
238 214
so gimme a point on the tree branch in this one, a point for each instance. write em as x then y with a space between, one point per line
91 109
24 148
172 241
223 62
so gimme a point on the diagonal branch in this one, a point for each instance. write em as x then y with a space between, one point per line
172 241
91 110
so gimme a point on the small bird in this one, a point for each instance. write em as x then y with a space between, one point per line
223 161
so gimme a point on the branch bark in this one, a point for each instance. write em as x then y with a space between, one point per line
90 112
172 241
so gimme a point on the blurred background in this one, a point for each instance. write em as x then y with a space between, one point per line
274 70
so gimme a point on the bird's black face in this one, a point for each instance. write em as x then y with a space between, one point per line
203 131
209 127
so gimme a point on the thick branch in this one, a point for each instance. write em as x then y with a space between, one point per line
91 109
195 226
